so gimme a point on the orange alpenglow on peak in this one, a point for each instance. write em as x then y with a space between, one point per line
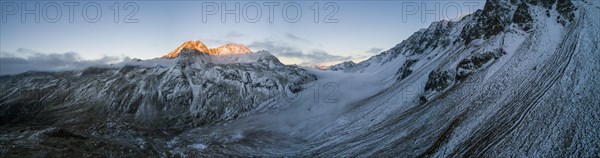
226 49
229 49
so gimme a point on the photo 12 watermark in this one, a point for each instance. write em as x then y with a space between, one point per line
270 11
316 92
211 11
435 10
70 11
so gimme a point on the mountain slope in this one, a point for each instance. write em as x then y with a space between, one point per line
536 98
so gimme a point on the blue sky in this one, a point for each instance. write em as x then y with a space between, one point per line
355 31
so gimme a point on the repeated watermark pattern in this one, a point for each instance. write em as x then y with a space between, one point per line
222 11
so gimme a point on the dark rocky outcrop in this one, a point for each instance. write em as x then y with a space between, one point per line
522 18
405 69
439 80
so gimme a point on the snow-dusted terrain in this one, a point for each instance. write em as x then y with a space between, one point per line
516 79
193 89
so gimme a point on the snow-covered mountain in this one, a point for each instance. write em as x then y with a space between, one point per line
227 49
516 79
190 89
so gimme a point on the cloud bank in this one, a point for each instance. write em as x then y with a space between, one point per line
313 57
374 50
24 60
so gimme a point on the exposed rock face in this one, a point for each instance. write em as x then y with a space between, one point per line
522 17
405 70
230 49
475 62
227 49
566 10
193 45
497 15
439 80
489 22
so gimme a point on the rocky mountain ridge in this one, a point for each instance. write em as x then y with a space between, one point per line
227 49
